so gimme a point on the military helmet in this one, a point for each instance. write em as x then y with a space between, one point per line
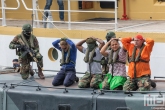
110 35
27 27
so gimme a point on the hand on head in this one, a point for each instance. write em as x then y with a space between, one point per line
112 40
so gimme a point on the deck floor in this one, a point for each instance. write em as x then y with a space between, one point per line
15 78
123 25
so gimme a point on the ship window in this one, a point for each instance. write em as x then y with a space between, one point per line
107 4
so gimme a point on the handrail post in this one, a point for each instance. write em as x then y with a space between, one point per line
69 16
115 15
3 13
35 14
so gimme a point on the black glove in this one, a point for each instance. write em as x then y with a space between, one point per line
33 52
19 46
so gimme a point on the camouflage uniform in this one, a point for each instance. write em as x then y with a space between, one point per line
88 80
140 84
93 59
25 60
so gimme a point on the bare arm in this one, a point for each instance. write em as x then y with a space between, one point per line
126 42
100 41
104 48
119 39
79 45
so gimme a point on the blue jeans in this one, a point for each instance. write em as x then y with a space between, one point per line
65 76
61 7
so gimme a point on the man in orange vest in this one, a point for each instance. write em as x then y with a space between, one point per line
139 69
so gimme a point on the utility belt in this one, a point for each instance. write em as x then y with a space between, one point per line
140 60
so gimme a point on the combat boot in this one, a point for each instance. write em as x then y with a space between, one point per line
32 72
40 74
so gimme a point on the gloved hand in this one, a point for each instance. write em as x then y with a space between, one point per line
19 46
33 52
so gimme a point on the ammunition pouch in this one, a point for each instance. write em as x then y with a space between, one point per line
104 61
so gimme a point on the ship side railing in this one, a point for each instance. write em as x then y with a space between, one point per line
3 7
36 21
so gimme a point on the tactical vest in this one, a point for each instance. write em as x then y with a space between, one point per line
31 40
114 59
89 58
138 58
67 60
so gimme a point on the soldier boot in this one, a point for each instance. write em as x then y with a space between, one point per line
40 74
32 72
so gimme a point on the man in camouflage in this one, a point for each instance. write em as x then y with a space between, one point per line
26 39
138 69
93 75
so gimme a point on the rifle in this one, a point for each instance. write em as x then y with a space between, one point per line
29 51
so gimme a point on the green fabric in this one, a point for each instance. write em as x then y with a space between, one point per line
91 47
91 41
89 58
117 81
113 82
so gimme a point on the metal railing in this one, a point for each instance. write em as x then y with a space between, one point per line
35 5
3 7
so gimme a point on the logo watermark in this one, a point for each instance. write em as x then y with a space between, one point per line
154 100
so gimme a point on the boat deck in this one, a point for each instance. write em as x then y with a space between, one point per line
37 94
123 25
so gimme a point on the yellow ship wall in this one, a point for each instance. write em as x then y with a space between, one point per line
136 9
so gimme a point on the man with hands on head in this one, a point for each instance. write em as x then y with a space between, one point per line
139 69
116 77
67 73
93 75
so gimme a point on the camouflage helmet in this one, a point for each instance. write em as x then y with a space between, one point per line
110 35
27 27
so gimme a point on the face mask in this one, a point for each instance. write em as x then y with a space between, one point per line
91 46
27 34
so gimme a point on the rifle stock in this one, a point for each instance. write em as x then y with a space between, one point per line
31 53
